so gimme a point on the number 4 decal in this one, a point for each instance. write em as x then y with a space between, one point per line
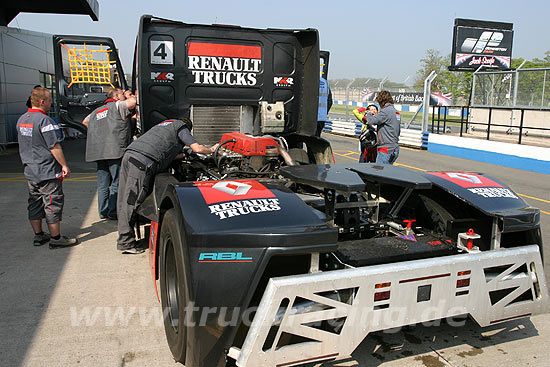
162 52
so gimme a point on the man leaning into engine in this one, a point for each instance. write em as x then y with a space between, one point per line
143 159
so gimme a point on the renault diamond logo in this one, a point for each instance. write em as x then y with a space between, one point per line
465 177
232 187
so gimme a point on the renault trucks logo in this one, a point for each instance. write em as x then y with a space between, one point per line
215 192
224 64
477 184
467 179
162 77
464 176
228 199
232 188
281 81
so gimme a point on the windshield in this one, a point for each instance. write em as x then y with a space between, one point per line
88 69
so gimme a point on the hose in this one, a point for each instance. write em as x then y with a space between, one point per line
215 154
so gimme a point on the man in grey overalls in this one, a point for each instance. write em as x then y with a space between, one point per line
109 133
150 153
44 167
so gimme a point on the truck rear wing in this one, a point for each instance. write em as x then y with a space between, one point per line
491 287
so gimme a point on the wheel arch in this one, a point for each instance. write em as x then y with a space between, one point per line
167 203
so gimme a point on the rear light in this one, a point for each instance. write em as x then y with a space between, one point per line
381 296
461 283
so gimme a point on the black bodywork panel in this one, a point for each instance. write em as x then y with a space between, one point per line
354 177
182 64
490 196
291 229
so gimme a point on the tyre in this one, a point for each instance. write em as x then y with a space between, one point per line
172 285
438 214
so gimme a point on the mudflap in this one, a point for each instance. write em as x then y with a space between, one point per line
492 287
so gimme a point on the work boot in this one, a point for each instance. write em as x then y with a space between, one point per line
133 251
63 241
41 239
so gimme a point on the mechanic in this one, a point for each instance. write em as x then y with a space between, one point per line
109 133
367 137
325 103
28 103
388 123
44 166
151 153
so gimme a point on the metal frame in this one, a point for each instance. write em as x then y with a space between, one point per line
417 291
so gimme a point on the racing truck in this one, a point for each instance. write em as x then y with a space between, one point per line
266 252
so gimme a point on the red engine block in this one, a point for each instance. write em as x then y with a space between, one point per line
248 145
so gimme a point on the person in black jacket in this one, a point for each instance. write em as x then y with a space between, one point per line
152 152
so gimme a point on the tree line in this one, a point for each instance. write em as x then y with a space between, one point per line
530 85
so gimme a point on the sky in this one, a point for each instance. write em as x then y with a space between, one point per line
365 38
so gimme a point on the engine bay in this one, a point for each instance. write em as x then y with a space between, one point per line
385 209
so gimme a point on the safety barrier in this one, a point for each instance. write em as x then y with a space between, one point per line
530 158
443 110
343 127
408 137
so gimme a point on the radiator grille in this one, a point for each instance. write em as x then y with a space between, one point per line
211 122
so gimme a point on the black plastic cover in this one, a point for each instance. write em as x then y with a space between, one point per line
352 177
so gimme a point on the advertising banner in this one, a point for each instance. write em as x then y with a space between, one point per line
481 43
412 98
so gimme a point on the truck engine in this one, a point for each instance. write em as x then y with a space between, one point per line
237 156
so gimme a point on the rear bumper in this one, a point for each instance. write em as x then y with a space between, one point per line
491 287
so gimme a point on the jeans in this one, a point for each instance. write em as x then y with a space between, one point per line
387 158
107 187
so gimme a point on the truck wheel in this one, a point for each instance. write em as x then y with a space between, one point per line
438 214
172 289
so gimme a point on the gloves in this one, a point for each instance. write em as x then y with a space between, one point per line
360 114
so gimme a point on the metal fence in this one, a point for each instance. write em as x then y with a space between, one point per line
514 125
523 88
